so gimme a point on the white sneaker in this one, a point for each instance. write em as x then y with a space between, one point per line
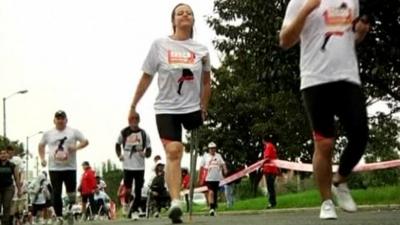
175 212
328 211
135 216
343 197
212 212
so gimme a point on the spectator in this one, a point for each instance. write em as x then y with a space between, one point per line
101 184
87 188
270 171
186 185
158 190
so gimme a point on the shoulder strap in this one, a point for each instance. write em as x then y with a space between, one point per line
144 138
125 133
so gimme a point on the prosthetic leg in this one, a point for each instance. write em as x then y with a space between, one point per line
194 147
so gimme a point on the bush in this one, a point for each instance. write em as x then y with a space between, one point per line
244 190
113 179
377 178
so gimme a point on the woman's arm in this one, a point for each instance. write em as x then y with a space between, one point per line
141 88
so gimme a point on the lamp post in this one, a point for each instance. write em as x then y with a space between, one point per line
27 151
4 109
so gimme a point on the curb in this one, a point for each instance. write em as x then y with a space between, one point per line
288 210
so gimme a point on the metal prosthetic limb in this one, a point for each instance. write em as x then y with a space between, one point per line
194 146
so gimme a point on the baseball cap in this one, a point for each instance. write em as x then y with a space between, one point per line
60 113
212 145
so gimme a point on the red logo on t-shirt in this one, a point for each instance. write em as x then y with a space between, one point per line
175 57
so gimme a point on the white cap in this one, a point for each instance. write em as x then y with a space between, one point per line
212 145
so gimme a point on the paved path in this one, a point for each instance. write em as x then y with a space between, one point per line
278 217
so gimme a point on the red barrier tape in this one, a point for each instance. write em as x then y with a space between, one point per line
304 167
361 167
232 177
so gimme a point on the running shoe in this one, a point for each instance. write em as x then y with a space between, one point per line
328 211
175 212
343 197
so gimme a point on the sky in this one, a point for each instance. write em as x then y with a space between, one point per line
84 57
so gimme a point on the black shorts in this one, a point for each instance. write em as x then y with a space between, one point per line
170 125
213 186
342 99
39 207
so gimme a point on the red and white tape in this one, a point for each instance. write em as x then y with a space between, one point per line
304 167
361 167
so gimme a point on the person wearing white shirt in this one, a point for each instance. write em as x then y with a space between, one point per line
184 84
215 166
62 142
328 31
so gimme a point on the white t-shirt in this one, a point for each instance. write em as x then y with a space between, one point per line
213 164
39 190
180 66
337 61
134 160
18 163
54 139
101 195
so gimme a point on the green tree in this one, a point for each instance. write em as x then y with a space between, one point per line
112 176
18 147
113 179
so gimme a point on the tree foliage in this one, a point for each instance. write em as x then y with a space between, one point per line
255 91
112 176
18 147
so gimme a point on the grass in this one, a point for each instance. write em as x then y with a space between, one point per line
370 196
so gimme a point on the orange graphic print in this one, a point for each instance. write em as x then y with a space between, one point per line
175 57
338 20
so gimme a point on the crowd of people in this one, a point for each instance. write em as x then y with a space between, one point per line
330 87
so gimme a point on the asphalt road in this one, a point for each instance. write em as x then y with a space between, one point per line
278 217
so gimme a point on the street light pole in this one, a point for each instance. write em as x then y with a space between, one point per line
4 117
27 151
4 109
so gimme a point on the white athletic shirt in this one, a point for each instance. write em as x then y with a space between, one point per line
53 138
180 65
101 195
18 163
213 164
134 161
338 60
